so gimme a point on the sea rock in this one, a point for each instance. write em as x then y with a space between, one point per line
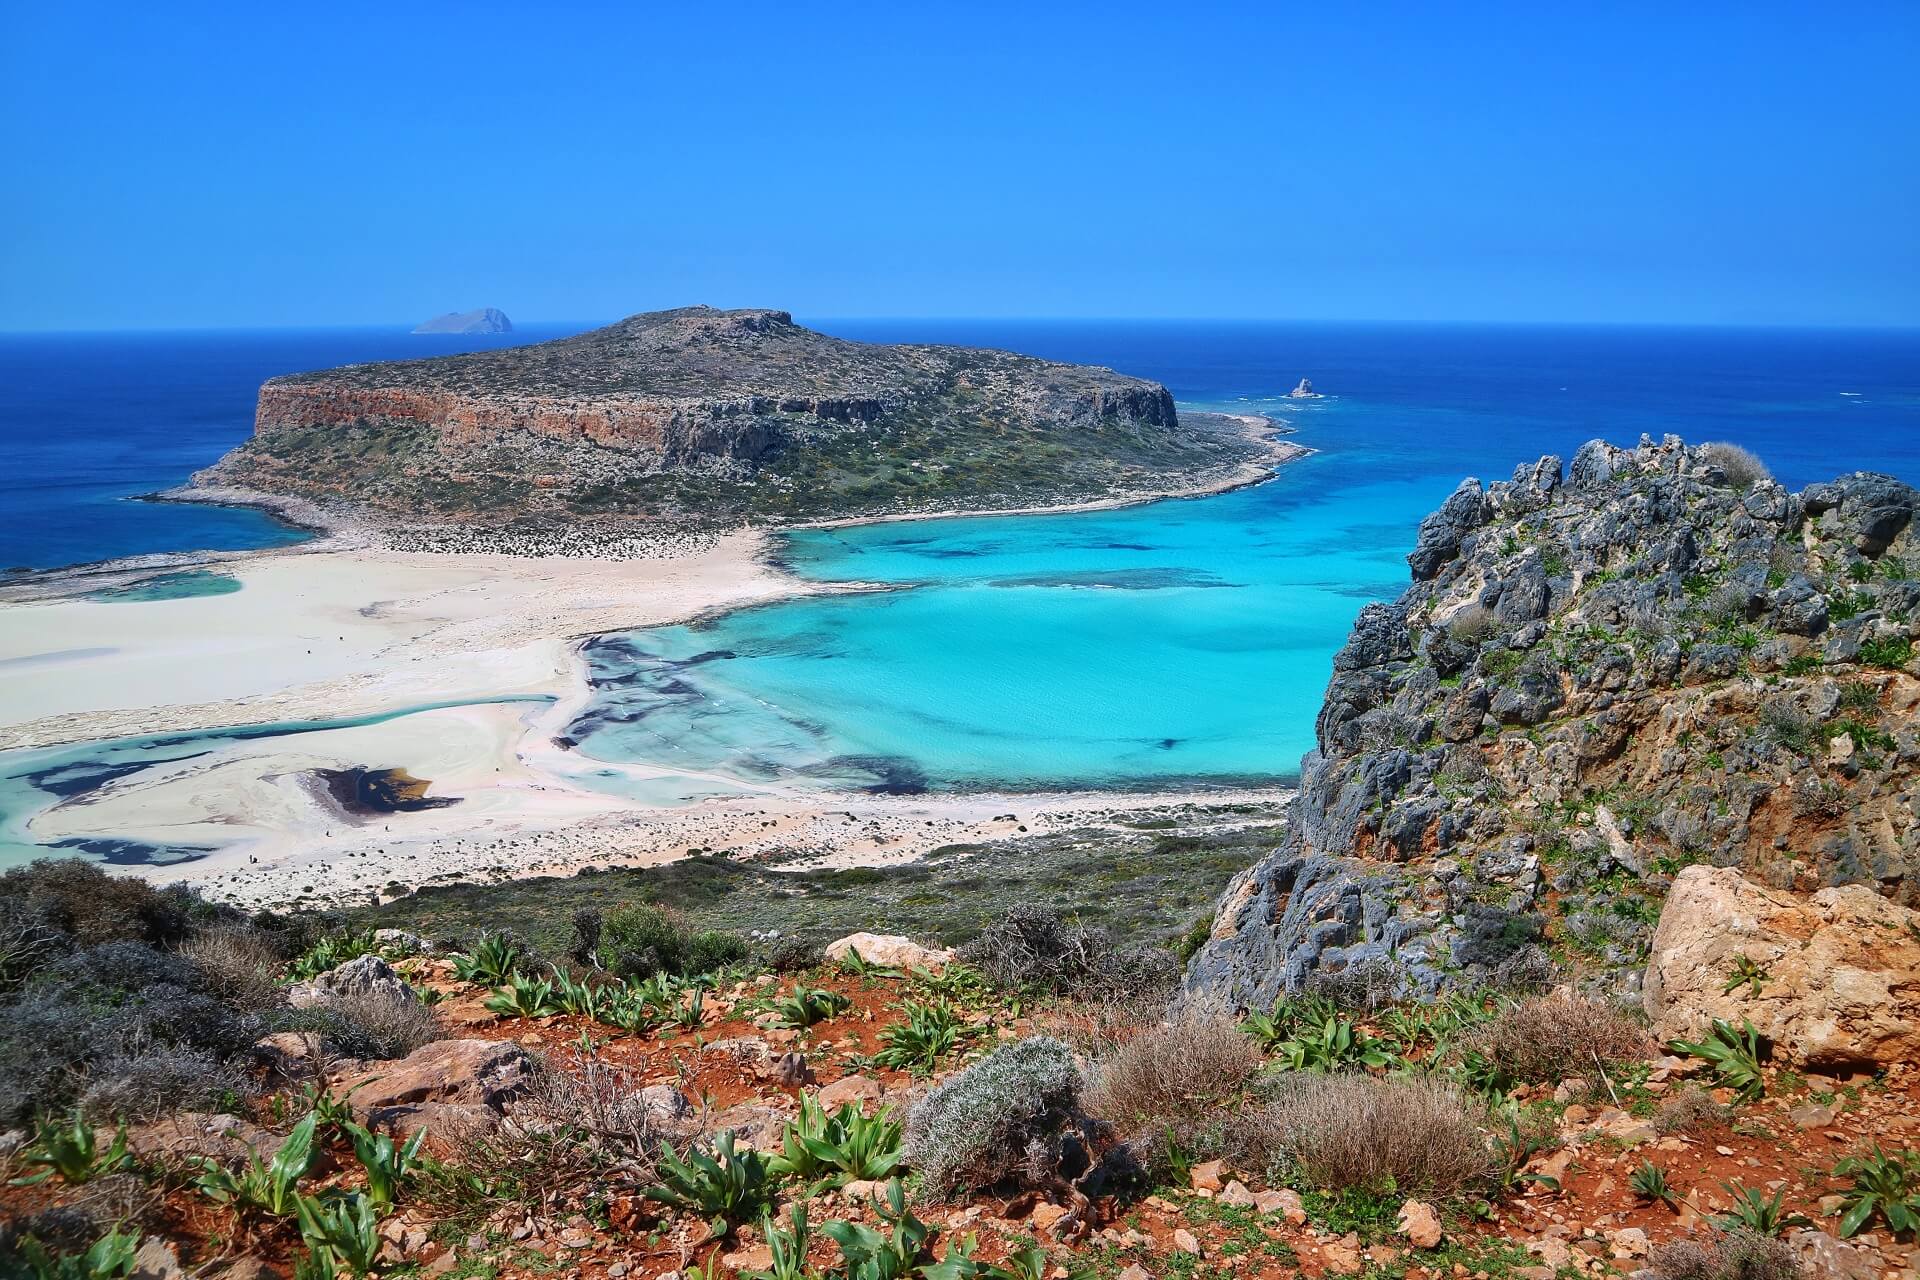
1599 672
890 951
1842 969
368 976
1303 391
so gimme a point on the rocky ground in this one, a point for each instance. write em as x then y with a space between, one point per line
527 1177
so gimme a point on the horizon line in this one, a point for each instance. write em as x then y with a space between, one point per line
904 318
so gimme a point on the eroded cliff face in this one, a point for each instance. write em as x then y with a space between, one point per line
1597 678
708 412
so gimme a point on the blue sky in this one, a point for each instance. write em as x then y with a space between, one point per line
204 165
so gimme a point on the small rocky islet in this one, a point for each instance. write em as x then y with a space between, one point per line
1589 949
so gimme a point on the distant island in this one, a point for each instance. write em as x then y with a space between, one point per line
485 320
725 417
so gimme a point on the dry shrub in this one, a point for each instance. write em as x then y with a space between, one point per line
1741 466
1175 1079
1032 948
1096 1028
1356 1131
151 1079
579 1131
1732 1255
1693 1111
375 1024
238 965
1554 1036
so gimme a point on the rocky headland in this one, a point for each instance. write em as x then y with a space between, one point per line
1602 676
721 416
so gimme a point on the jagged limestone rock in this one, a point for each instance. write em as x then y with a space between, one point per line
1601 673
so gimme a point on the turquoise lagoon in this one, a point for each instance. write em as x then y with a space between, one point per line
1181 643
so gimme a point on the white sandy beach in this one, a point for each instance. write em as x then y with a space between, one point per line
339 631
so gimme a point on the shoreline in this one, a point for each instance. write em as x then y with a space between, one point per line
392 632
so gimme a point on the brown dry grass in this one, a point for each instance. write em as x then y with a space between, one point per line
1553 1037
1341 1131
1693 1111
1176 1074
241 966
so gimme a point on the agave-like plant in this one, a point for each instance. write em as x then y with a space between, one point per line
728 1187
1734 1053
524 997
495 958
271 1188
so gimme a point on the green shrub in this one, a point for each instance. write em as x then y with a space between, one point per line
1004 1120
638 940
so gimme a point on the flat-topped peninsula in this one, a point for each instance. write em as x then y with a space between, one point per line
729 417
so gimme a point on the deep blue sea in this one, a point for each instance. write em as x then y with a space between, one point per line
1179 642
90 421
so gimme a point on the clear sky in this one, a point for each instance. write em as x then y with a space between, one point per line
297 163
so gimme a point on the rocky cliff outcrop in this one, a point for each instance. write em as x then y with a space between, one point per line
1601 674
716 413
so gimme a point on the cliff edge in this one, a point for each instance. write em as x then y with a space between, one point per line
1599 677
717 414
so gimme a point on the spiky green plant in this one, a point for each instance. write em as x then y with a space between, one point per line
71 1148
256 1188
1734 1053
728 1187
386 1163
827 1149
930 1032
808 1005
1758 1213
524 997
1649 1182
495 958
108 1258
341 1230
1883 1183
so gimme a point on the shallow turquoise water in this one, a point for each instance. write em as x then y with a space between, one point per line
1181 642
33 781
1176 642
1191 641
170 586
